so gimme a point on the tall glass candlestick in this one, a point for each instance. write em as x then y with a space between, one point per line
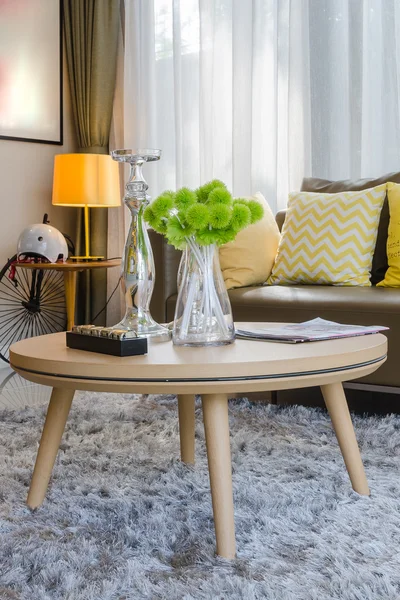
138 271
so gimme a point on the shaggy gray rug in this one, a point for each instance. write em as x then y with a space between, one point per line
125 520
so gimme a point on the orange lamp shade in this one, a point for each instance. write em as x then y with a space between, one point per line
90 180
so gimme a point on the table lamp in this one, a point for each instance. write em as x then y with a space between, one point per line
87 180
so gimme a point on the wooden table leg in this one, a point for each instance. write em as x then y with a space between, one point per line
70 295
57 414
216 426
336 404
186 427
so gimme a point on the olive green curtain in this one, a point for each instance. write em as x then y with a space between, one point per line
91 38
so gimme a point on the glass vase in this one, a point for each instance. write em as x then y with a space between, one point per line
203 314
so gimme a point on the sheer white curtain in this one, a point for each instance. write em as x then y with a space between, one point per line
263 92
223 88
355 87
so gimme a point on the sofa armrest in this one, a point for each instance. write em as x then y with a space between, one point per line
280 218
166 260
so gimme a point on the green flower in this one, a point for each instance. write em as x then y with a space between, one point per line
227 235
185 198
220 215
215 236
256 210
162 205
206 236
149 216
241 216
162 226
159 225
177 232
209 214
220 195
204 191
197 216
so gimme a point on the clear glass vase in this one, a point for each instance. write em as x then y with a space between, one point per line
203 314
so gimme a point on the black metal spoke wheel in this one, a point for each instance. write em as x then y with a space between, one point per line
32 302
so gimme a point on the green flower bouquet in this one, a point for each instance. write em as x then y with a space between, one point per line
197 222
208 215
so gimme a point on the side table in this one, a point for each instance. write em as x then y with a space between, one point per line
69 270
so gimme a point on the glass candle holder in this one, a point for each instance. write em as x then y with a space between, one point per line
138 270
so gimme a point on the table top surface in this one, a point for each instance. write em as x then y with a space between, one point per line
244 360
71 265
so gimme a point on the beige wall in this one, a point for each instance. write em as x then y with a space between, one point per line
26 174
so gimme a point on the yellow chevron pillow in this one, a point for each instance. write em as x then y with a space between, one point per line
329 238
392 275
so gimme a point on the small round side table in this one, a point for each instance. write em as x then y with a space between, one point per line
69 270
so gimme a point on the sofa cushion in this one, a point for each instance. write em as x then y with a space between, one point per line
296 303
329 238
248 260
392 276
318 298
379 261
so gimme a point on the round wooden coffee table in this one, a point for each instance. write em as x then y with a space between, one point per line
213 372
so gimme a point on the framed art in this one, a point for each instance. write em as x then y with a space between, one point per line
31 71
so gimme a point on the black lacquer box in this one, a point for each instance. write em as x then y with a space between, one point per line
105 345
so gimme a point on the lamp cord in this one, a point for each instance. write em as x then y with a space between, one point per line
111 295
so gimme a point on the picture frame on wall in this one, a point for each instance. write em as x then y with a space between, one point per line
31 78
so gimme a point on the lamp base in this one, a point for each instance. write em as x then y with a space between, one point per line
86 258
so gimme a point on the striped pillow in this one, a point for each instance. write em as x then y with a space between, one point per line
329 238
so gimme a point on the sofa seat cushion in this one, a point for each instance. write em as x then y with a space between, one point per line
353 305
319 298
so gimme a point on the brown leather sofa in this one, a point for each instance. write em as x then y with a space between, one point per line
354 305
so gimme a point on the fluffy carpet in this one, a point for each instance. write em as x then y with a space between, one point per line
125 520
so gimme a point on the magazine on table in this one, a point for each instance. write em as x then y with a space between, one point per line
315 330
